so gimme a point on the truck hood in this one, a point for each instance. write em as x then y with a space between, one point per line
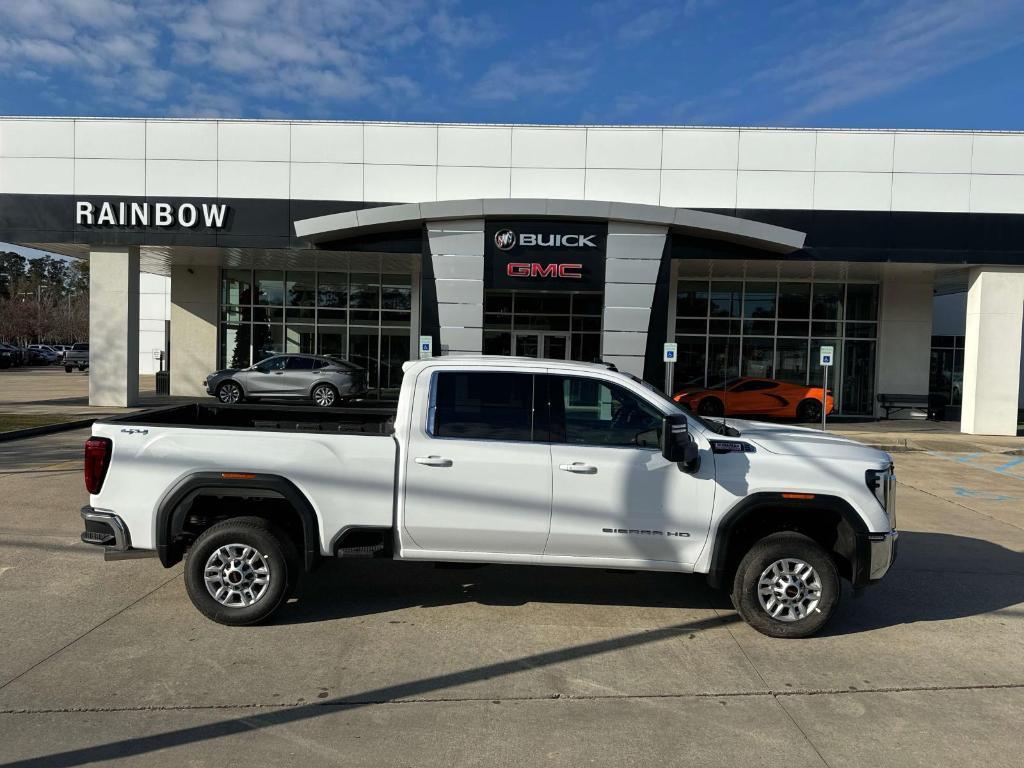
791 440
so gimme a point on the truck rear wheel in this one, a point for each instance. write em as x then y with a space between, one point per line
787 585
240 571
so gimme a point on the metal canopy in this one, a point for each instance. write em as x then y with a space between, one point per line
713 226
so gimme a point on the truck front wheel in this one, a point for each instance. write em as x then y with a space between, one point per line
240 571
787 585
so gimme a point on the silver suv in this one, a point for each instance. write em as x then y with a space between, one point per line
324 380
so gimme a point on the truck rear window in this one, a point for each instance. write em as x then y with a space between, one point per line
484 405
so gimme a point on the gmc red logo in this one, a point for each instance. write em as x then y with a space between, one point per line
533 269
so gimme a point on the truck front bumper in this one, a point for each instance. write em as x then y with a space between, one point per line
876 553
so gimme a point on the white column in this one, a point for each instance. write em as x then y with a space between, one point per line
194 292
457 256
991 388
905 330
631 271
114 326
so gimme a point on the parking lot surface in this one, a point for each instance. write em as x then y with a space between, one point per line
406 664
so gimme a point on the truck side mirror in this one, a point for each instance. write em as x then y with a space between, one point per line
678 445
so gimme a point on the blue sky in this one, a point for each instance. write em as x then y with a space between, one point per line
874 63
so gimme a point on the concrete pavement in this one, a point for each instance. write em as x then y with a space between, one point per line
407 664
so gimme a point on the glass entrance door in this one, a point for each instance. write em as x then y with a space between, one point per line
551 346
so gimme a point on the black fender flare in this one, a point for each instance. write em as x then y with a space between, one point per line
174 505
771 502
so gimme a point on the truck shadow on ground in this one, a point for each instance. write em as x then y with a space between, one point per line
937 577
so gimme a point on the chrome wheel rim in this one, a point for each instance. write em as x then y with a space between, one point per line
237 575
789 589
323 396
230 393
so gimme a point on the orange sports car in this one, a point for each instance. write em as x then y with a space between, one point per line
757 397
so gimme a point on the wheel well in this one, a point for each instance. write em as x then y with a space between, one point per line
320 384
202 500
826 522
208 508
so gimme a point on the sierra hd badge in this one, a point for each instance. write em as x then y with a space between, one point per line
505 239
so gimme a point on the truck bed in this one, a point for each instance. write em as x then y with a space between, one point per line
373 418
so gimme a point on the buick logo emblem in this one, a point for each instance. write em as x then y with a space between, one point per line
505 239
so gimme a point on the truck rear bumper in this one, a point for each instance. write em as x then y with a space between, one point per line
105 529
876 553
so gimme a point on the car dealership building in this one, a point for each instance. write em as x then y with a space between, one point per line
751 248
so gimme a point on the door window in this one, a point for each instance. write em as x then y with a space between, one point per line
598 413
484 405
272 364
300 363
754 386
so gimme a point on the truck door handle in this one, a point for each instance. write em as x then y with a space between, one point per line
433 461
278 373
579 468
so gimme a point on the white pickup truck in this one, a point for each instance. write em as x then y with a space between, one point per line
494 460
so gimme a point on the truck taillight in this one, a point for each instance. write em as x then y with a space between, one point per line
97 459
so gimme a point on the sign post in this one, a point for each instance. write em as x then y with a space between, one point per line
669 354
827 355
426 347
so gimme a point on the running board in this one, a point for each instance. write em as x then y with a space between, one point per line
110 554
357 553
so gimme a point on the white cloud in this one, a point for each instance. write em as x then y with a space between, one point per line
234 56
512 80
888 46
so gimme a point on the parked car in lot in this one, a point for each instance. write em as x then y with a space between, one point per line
8 356
76 357
44 351
323 379
494 460
757 397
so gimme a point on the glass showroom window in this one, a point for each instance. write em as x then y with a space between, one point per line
774 330
362 313
947 368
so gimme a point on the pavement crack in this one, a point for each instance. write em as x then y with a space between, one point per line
89 631
361 702
772 693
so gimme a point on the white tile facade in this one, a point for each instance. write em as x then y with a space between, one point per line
721 168
181 178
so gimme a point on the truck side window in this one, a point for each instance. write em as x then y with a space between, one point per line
482 405
598 413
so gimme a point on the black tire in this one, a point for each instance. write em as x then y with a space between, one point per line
81 367
225 389
271 543
324 396
768 551
68 368
711 406
809 410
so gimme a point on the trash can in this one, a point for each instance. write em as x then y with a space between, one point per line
163 382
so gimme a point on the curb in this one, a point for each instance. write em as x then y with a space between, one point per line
46 429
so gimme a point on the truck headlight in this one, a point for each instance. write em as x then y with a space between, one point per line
882 483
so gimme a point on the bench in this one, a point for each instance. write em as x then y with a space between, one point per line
901 402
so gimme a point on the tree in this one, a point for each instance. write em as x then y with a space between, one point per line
43 299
